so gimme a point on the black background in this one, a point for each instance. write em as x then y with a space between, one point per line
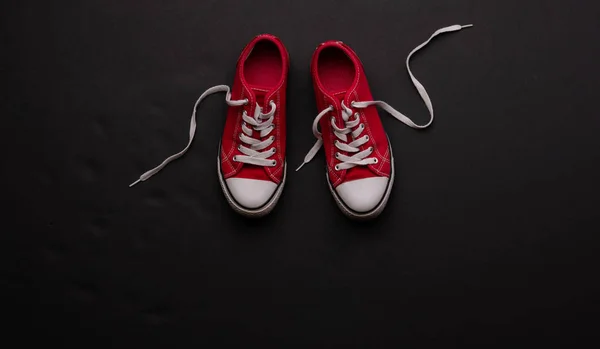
489 238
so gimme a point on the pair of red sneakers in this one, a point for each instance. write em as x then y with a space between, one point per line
251 162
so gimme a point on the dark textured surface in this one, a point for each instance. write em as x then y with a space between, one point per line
490 236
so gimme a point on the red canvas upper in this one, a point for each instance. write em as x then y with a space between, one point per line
270 86
357 90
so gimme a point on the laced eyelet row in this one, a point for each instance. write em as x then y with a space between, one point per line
272 138
361 126
273 162
241 135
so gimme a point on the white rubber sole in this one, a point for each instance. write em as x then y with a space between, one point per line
374 212
252 213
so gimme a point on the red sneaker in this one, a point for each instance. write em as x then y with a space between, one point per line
360 164
251 161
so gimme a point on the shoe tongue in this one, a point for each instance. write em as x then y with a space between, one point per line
341 96
260 95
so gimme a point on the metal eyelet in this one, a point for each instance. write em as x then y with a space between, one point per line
367 137
240 136
273 150
371 149
353 103
375 161
362 126
235 158
274 162
246 101
336 168
239 148
337 155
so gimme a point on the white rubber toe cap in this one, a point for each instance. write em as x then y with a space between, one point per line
363 195
250 193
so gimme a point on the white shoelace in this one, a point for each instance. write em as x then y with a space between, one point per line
262 123
354 127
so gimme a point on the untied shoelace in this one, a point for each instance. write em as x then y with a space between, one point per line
252 150
353 126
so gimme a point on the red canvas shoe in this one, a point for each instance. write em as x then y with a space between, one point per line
360 164
251 161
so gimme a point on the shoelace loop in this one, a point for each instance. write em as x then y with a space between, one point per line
361 157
